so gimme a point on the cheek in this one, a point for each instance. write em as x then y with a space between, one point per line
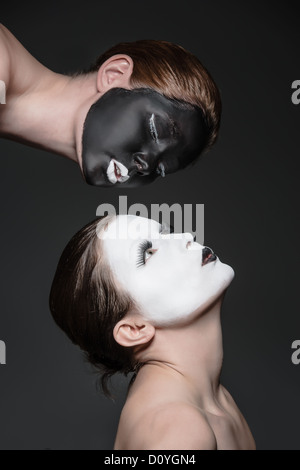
117 256
160 281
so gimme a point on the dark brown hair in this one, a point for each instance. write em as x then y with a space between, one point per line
86 304
173 71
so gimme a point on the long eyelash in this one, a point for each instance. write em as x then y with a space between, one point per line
143 247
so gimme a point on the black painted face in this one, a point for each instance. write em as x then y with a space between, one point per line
131 137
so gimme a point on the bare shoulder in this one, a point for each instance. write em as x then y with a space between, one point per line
3 31
4 38
174 426
229 402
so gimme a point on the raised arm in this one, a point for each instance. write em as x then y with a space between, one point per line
4 65
34 112
21 73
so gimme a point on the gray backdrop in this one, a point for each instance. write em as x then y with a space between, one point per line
248 183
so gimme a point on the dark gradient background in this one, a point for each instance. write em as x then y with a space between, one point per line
249 184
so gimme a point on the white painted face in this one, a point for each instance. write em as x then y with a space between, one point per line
171 277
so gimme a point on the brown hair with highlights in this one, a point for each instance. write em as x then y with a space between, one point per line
173 71
86 304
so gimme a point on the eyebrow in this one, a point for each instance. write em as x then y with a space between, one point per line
161 228
166 228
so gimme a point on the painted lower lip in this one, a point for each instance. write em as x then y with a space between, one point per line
116 174
113 176
116 170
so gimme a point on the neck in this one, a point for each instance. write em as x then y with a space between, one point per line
193 354
50 113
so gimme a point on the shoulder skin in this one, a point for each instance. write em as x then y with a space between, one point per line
4 57
175 426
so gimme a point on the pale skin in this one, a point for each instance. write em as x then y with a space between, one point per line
174 329
177 401
45 109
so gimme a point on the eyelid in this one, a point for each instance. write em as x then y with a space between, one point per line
141 250
153 129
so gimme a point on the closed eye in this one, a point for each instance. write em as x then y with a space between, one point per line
153 130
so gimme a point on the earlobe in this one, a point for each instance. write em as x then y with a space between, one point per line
130 332
115 72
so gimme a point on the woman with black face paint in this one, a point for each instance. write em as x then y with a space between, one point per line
139 299
142 110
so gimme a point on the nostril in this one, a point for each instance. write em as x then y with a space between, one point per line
141 165
139 168
188 245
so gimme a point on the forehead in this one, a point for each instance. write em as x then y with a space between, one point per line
129 227
141 98
134 105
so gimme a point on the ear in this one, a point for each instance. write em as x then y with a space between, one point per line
133 331
115 72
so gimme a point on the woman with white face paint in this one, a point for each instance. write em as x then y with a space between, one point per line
138 299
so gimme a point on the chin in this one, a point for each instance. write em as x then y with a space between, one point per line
227 273
223 277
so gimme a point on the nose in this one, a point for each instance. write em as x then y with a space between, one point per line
188 237
184 238
143 164
189 240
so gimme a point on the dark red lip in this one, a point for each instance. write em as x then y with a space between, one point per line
117 172
208 256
